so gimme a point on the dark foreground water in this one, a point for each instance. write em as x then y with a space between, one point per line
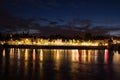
59 64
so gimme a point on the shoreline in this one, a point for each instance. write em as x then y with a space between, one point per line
53 47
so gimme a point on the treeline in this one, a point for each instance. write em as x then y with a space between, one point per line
86 37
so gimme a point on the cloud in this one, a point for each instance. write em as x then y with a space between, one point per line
10 23
37 20
86 23
53 23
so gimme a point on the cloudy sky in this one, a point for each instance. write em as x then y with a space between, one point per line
47 15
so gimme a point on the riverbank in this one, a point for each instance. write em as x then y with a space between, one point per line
53 46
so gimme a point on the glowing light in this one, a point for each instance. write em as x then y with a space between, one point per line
83 56
75 56
26 54
3 52
40 41
19 53
41 55
11 52
57 55
57 58
116 57
89 52
96 55
106 56
84 52
34 54
19 43
89 56
106 44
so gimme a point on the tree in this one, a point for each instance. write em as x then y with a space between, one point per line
88 36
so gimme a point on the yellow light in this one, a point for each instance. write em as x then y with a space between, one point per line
34 54
4 53
75 56
19 53
19 42
41 55
26 54
11 52
57 55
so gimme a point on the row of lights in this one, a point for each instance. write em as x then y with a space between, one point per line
28 41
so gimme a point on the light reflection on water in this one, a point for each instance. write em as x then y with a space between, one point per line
59 64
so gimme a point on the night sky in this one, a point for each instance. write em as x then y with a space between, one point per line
40 16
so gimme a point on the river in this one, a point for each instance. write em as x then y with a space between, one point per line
59 64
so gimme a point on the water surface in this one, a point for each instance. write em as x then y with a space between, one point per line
59 64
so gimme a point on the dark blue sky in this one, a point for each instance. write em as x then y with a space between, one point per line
100 12
97 10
